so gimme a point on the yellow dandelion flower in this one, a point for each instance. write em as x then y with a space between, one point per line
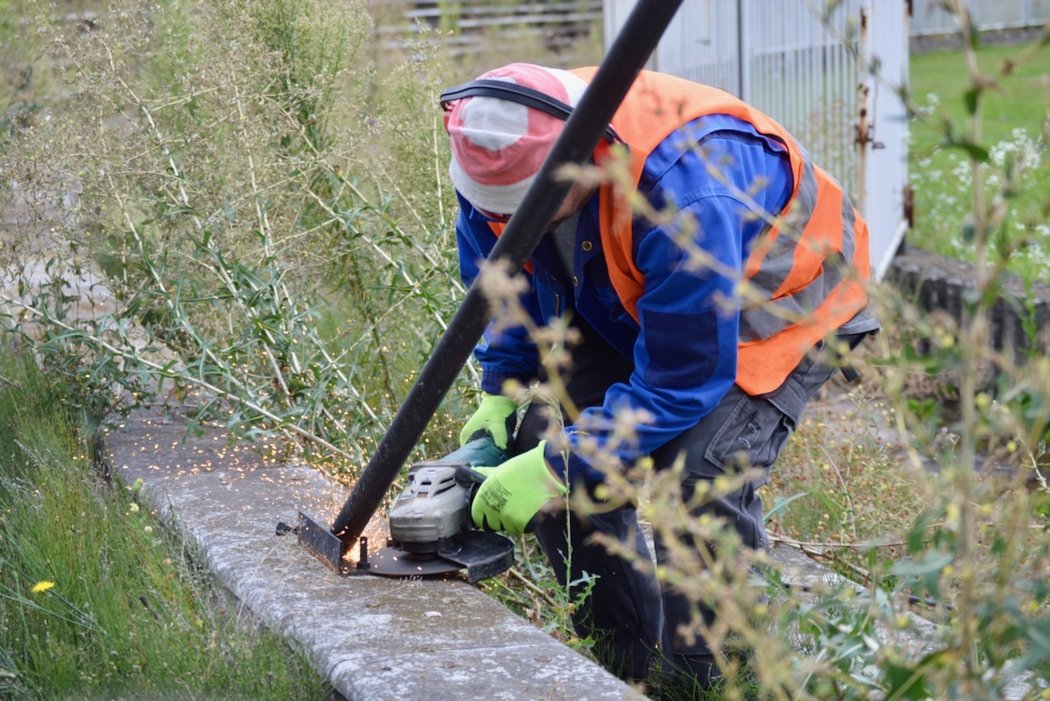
41 587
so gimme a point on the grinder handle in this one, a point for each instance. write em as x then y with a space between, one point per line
478 452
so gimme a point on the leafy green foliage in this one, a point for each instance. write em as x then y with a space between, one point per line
253 259
1010 152
94 602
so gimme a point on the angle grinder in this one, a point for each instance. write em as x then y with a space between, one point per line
431 532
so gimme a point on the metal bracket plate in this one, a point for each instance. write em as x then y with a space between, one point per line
322 543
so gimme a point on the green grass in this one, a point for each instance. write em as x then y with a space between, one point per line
95 600
1014 113
851 487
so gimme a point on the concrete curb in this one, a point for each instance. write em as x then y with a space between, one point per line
372 638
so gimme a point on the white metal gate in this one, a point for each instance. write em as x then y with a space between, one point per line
809 69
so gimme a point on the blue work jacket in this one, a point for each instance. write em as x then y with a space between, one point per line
723 179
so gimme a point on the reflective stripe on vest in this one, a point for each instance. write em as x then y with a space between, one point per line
805 276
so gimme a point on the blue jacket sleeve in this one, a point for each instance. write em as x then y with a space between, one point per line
504 352
685 356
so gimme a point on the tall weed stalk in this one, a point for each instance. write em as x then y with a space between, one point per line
230 223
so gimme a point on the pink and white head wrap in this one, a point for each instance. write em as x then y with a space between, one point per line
499 145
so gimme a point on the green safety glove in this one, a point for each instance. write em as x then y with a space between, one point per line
496 416
514 492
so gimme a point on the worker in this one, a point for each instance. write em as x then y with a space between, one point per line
718 358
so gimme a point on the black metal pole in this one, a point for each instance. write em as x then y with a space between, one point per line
584 128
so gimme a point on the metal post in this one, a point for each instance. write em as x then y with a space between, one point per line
743 50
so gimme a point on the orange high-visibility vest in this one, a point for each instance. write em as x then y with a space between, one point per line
805 276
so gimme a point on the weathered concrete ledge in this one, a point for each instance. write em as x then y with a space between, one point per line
1020 317
372 638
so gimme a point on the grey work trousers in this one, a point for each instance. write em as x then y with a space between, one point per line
627 615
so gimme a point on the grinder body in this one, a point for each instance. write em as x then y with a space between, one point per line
435 505
431 532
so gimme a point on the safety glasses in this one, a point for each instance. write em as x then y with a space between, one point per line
498 218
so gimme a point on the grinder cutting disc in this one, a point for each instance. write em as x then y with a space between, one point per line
392 561
483 555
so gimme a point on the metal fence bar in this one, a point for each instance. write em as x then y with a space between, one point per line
928 18
802 74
